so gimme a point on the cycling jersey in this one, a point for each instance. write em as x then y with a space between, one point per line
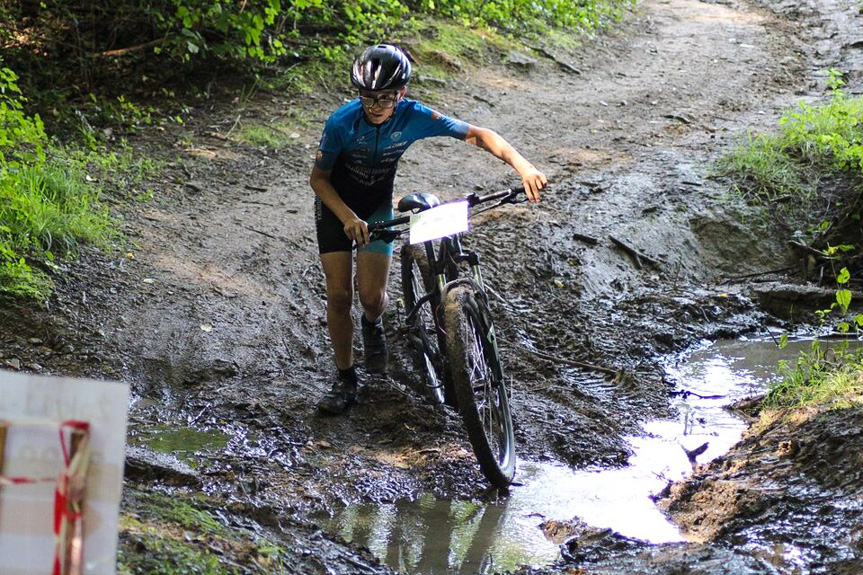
363 157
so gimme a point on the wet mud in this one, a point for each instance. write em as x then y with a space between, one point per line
218 320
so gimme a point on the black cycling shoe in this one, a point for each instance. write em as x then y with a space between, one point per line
342 395
375 346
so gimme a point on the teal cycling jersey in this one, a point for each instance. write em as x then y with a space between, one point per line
363 157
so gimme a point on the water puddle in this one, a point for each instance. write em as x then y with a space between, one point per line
430 536
183 442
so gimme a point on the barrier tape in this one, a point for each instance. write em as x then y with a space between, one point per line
69 492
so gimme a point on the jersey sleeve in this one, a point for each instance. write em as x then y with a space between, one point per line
330 146
429 123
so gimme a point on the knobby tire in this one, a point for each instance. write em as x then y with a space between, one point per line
475 371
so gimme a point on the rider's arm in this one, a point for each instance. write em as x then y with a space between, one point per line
532 179
355 228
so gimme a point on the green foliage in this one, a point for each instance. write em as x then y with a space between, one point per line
222 27
823 374
47 205
266 30
830 134
22 137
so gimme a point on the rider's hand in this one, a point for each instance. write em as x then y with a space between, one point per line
533 181
357 230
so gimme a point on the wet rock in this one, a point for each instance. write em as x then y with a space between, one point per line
146 466
791 300
593 544
520 60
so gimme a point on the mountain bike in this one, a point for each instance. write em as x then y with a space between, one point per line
449 322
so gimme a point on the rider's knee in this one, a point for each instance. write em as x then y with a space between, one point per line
340 300
373 300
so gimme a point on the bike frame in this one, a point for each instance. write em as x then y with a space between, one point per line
450 250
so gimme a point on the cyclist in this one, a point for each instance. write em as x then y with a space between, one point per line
353 179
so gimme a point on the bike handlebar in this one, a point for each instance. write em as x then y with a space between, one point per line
506 196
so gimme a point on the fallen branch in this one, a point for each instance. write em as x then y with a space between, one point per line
686 393
586 239
489 103
806 249
757 274
265 234
635 254
678 117
258 203
131 49
574 363
555 59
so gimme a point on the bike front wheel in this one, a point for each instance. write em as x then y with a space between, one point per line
477 377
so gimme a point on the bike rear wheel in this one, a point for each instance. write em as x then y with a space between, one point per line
477 377
416 282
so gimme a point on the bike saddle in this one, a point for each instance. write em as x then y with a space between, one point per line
418 202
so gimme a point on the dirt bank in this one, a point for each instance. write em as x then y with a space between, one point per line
218 317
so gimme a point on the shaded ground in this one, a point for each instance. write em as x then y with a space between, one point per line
218 319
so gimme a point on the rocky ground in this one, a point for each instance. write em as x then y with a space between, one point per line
216 315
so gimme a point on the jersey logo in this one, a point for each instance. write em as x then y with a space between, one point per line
396 136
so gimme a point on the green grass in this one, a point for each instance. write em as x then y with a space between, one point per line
50 207
51 196
271 136
821 376
763 171
47 209
812 142
177 535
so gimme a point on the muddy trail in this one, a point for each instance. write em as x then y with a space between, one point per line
218 319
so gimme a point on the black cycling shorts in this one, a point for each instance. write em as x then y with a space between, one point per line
331 231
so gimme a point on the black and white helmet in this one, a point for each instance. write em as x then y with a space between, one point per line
381 67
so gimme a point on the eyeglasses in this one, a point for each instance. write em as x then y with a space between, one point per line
384 101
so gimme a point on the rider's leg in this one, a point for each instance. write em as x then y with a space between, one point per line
373 271
337 271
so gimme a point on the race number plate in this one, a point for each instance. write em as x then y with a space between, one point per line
446 220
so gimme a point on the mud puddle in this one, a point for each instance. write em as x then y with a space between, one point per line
439 536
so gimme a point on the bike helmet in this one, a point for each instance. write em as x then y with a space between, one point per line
381 67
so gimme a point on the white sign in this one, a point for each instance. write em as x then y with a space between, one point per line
37 415
445 220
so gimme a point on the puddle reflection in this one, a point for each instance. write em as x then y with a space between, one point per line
431 536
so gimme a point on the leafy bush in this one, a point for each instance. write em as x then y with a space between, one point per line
88 32
514 14
831 134
812 169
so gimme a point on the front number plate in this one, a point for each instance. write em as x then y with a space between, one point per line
446 220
